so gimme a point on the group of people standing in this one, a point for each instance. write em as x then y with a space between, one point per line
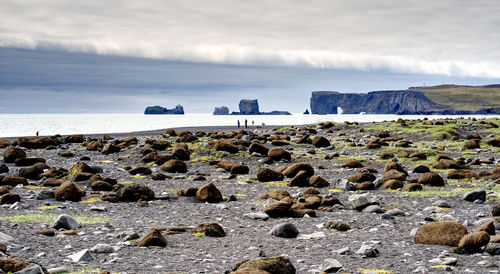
246 123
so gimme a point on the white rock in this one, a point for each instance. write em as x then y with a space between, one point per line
315 235
81 256
444 261
102 248
330 265
257 216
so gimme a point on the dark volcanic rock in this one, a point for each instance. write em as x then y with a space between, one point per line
11 154
161 110
221 110
134 192
249 107
36 142
320 141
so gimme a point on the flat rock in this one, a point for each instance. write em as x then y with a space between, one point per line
102 248
81 256
314 235
359 201
257 216
330 265
66 222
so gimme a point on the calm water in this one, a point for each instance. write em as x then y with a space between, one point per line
50 124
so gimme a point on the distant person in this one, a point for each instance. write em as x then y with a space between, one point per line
252 123
246 123
37 133
238 123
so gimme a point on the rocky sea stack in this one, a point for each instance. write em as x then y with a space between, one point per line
161 110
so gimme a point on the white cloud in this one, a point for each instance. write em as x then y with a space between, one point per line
430 37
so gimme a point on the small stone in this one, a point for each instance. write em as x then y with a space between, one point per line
287 230
444 261
396 212
359 201
102 248
475 195
81 256
386 216
373 209
343 251
330 266
367 251
257 216
315 235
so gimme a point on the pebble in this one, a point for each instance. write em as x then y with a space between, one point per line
373 209
442 203
315 235
367 251
257 216
396 212
81 256
102 248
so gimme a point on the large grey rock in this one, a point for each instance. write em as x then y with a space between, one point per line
81 256
161 110
367 251
4 238
66 222
475 195
248 106
221 110
493 249
330 265
286 230
46 194
359 201
343 184
31 269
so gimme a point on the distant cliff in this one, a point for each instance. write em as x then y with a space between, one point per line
412 101
161 110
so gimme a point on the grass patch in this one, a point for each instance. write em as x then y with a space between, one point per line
276 184
48 218
47 207
199 234
375 271
35 187
92 200
361 158
139 176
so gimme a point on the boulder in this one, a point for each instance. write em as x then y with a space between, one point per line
286 230
152 238
362 177
475 195
4 143
279 153
446 164
258 148
462 174
181 152
227 165
95 145
392 184
226 145
365 186
474 242
101 186
65 222
301 179
221 110
279 209
140 170
110 149
81 167
359 201
472 144
10 264
394 166
272 265
320 141
14 181
294 169
394 174
421 169
5 189
174 166
440 233
29 161
351 164
11 154
134 192
9 198
431 178
240 169
209 193
265 174
317 181
276 194
36 142
77 138
488 227
412 187
210 229
31 173
68 191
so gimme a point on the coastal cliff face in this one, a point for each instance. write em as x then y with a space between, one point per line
161 110
376 102
249 107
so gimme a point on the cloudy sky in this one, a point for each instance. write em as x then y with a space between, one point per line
120 56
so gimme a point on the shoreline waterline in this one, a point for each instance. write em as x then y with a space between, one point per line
13 125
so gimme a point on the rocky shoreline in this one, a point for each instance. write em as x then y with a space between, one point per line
391 197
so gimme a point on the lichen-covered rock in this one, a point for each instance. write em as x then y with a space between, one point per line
174 166
474 242
440 233
268 175
68 191
209 193
273 265
210 229
294 169
134 192
279 153
431 178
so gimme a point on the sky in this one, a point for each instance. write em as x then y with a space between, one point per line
121 56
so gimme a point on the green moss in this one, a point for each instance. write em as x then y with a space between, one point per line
35 217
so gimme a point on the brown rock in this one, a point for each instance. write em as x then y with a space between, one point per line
4 143
82 176
181 152
474 242
95 145
320 141
394 174
209 193
140 170
300 213
394 166
226 145
174 166
249 270
276 195
278 154
279 209
488 227
46 232
240 169
11 154
158 176
446 164
110 149
272 265
494 142
9 198
385 155
4 189
258 148
134 192
431 178
365 186
440 233
331 201
68 191
14 181
268 175
152 238
81 167
36 142
312 202
317 181
495 239
352 164
412 187
337 225
13 264
294 169
210 229
227 165
472 144
101 186
188 192
392 184
77 138
462 174
301 179
362 177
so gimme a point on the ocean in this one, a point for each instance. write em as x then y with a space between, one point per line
13 125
